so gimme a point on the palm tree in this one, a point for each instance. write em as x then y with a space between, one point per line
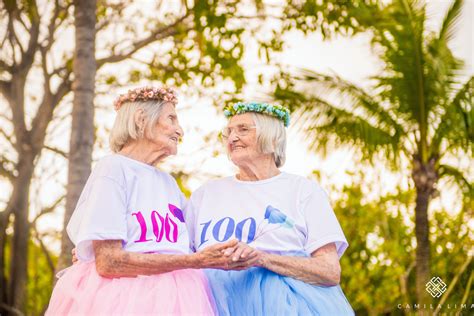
419 108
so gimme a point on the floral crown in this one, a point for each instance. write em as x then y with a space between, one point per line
277 111
147 94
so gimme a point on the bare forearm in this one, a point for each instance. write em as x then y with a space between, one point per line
112 261
128 264
316 271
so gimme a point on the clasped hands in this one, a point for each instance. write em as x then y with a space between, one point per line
231 255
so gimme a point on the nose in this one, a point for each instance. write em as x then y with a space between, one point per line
180 131
233 137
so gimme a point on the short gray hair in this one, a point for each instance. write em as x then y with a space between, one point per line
125 128
271 136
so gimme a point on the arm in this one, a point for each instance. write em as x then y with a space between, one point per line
322 268
112 261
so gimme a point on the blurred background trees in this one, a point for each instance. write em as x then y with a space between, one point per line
419 108
415 118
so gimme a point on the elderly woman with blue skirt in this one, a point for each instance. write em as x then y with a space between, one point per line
291 240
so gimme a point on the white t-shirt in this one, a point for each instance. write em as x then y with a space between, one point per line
129 200
286 213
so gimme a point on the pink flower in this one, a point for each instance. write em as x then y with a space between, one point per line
146 94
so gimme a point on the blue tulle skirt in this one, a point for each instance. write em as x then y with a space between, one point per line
258 291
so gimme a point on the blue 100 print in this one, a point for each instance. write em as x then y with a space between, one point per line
226 228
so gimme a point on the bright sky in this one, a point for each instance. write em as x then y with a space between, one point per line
350 58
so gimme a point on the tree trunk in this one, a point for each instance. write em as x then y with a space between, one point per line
4 220
425 177
21 233
82 133
423 246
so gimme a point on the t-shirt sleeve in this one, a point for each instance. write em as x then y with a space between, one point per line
322 225
99 215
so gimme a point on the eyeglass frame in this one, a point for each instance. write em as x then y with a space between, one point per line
226 135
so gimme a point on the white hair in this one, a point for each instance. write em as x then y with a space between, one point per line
125 127
271 136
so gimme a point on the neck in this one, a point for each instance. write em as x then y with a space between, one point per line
141 151
259 169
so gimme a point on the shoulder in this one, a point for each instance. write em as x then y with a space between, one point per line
300 182
212 186
109 163
111 167
304 187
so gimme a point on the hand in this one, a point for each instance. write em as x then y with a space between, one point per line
243 256
213 256
74 256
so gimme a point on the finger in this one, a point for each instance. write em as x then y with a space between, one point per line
229 251
229 244
249 256
251 261
247 252
238 252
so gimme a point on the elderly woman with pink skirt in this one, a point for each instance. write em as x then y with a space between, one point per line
128 226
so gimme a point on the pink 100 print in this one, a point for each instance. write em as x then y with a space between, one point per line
162 226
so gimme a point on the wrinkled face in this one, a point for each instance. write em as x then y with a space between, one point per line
242 139
167 132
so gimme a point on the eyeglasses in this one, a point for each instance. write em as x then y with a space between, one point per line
240 130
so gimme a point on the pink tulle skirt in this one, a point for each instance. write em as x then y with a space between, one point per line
81 291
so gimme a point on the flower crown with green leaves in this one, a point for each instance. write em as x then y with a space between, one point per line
277 111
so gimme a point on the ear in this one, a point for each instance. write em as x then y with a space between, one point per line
139 119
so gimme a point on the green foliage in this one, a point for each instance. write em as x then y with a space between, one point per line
40 276
452 248
378 266
381 254
329 17
40 280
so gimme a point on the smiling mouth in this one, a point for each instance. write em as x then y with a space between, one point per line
236 147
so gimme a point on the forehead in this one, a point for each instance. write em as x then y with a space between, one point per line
239 119
168 108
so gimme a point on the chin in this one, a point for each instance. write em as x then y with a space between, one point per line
173 152
236 158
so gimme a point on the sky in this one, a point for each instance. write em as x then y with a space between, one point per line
350 58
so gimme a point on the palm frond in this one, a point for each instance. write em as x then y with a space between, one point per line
441 66
457 122
457 176
450 21
327 125
400 45
357 98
